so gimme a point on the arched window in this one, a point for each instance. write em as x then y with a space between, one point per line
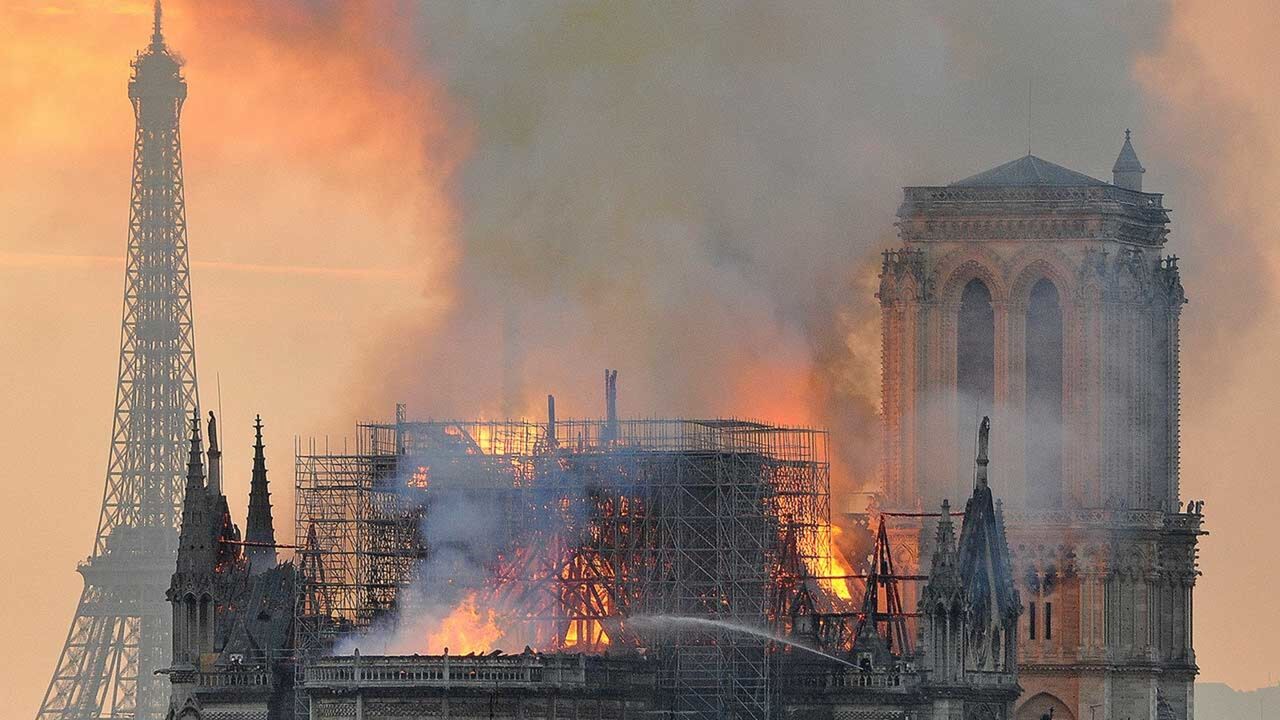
975 354
1044 397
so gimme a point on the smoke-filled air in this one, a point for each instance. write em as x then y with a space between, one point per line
465 207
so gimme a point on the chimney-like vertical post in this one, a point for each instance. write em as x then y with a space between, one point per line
551 421
400 421
215 458
611 404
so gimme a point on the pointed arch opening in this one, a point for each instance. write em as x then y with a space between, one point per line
204 635
1044 705
975 353
190 631
1044 396
941 626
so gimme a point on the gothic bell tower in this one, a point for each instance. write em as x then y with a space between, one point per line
1041 297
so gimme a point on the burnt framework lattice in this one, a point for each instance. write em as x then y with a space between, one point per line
607 519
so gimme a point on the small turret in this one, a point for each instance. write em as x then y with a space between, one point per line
944 552
261 534
942 607
1127 172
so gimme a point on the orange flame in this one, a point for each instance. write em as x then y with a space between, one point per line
589 633
586 632
469 628
421 477
830 567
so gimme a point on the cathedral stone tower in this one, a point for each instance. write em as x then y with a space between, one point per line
1040 296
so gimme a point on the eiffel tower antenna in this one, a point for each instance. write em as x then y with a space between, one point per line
120 634
157 37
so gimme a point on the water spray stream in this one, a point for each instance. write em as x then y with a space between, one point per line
654 621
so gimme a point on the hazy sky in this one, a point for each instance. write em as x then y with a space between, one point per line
466 206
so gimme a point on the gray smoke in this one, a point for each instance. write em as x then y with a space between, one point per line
461 535
681 190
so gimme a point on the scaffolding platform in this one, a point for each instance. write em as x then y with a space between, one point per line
588 523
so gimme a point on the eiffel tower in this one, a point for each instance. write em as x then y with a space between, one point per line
121 631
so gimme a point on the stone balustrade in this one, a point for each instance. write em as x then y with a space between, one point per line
529 670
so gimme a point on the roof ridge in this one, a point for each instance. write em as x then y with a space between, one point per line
1028 170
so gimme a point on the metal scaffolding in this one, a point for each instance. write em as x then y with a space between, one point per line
595 522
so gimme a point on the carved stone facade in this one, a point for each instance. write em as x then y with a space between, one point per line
232 621
1040 296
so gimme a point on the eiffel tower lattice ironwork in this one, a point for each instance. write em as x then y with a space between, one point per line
121 631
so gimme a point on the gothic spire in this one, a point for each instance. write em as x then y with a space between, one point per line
1127 172
260 528
944 552
193 502
944 585
195 462
983 558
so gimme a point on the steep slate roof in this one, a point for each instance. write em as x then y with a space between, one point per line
265 622
1028 170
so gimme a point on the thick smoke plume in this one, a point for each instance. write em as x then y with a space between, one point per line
315 135
445 607
696 194
456 600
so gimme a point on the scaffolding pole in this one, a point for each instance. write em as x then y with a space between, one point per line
595 521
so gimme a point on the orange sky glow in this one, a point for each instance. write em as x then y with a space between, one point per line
320 168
